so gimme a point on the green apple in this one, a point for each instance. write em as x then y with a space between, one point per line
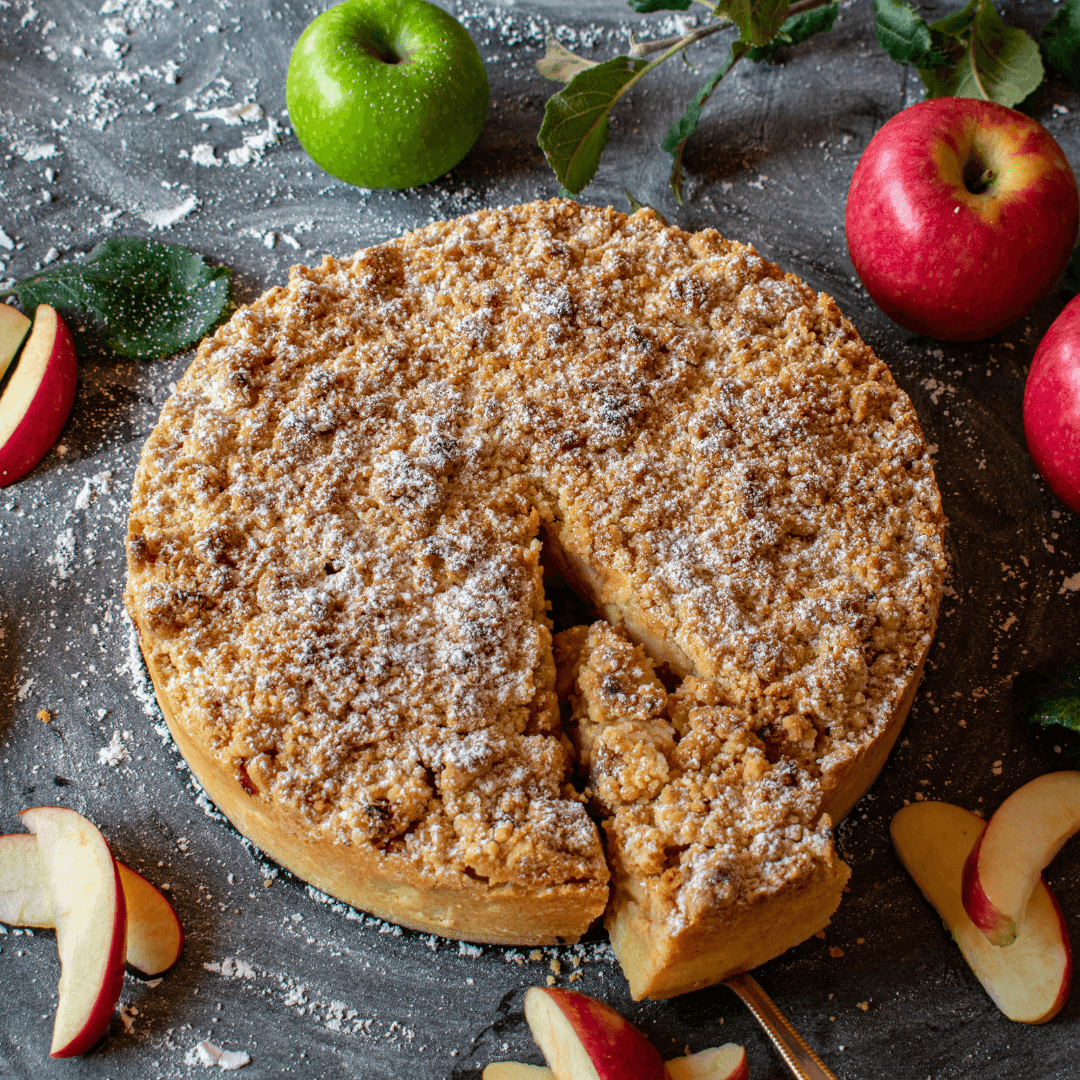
386 93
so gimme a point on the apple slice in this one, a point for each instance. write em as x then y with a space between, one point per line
584 1039
1021 839
14 326
38 398
155 937
91 924
727 1062
1028 980
25 899
516 1070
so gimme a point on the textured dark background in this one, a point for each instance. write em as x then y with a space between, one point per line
771 165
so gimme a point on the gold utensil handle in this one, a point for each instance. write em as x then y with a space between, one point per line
792 1047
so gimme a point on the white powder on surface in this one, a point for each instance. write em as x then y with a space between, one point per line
64 556
36 151
1070 584
247 113
23 691
204 154
114 753
6 242
99 482
232 967
167 218
208 1055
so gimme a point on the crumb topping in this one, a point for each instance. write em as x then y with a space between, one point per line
336 534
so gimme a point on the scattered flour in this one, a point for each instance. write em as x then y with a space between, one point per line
115 752
232 967
167 218
204 154
248 113
207 1055
36 151
1070 584
64 556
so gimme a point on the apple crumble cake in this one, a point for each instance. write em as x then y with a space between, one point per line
338 534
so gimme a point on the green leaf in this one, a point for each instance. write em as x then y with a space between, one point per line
999 63
647 6
1070 281
1060 43
795 29
904 36
675 139
1051 697
153 299
758 20
635 206
559 64
575 128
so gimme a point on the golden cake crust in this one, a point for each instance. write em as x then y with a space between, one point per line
335 569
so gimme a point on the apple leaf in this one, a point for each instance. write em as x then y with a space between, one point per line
998 62
153 299
646 7
758 20
1051 697
675 140
904 36
1060 43
575 128
795 29
559 64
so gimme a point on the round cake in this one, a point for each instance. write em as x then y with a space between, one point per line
339 534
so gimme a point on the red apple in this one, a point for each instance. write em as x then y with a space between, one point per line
91 925
584 1039
1021 839
14 326
1029 980
38 398
960 217
155 937
1052 406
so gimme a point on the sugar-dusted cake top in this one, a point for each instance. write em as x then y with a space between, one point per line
336 525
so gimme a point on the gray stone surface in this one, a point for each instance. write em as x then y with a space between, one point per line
115 89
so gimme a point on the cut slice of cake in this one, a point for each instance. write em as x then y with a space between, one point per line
721 858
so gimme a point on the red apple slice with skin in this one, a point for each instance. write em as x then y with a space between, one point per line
91 925
584 1039
14 326
37 400
727 1062
155 937
1028 980
1020 841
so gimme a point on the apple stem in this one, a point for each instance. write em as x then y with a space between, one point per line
977 176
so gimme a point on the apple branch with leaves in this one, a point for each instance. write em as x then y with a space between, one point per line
971 53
